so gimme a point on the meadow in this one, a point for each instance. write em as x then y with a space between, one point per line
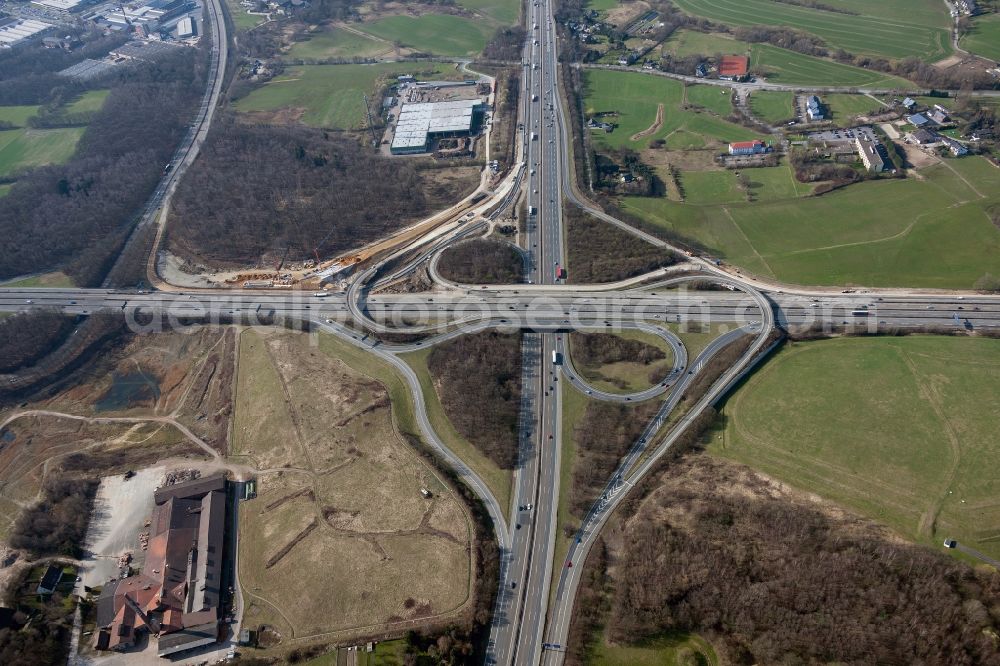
440 34
901 430
890 28
772 106
26 148
336 43
634 97
844 107
765 184
933 232
984 38
331 96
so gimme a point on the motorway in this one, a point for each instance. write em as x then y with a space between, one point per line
538 475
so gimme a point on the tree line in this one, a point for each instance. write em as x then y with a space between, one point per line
28 336
478 380
596 349
77 215
257 189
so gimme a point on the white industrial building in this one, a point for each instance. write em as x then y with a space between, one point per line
419 124
185 27
13 31
60 5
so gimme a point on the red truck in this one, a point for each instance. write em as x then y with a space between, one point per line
560 272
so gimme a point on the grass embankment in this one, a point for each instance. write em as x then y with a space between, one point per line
899 429
890 28
331 96
932 232
498 480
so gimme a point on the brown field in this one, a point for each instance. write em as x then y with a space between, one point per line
339 540
69 429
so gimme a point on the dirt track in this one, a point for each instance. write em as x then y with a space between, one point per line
652 129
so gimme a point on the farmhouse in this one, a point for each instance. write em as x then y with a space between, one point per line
956 148
178 594
922 137
814 109
918 120
870 156
755 147
734 68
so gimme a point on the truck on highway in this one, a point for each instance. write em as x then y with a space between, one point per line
321 294
534 137
560 272
532 210
860 313
556 357
534 98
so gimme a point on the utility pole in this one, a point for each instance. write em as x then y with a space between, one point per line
371 126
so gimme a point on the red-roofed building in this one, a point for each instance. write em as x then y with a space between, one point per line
178 594
755 147
734 68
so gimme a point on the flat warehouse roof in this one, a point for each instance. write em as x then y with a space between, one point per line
64 5
417 121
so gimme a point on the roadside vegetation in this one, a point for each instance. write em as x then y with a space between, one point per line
225 214
478 380
600 252
482 261
25 338
705 516
624 362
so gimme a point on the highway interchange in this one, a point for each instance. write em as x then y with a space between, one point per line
535 600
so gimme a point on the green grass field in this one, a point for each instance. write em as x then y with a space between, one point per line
89 102
602 5
17 115
889 28
843 107
26 148
899 429
789 67
781 65
635 97
242 20
718 187
331 95
627 376
714 98
439 34
930 233
772 106
336 43
984 39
